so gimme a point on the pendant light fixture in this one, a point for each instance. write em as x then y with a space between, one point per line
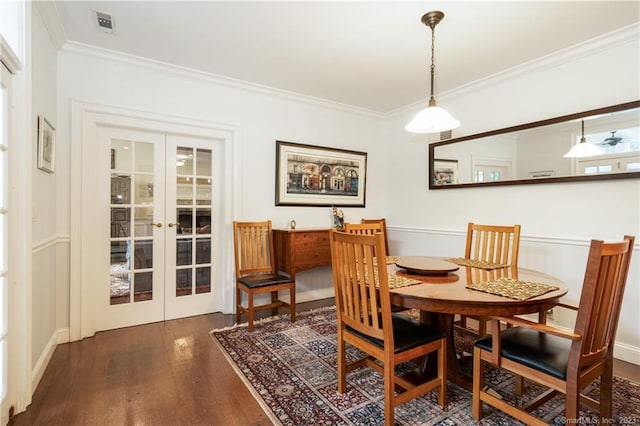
583 148
432 119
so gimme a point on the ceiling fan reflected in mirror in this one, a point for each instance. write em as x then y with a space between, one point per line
612 140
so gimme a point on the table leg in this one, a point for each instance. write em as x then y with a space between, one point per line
444 323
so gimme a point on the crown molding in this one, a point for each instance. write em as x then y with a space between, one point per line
628 34
159 66
52 22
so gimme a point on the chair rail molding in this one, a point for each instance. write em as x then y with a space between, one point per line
581 242
49 242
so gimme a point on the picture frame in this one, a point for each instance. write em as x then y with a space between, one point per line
445 172
46 145
311 175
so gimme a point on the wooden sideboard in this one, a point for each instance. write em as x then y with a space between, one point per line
301 249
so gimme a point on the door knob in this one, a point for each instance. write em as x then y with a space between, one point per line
171 225
157 225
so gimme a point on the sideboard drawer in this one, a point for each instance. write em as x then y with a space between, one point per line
300 250
304 240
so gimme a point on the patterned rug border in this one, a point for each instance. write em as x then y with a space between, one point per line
272 318
270 414
247 384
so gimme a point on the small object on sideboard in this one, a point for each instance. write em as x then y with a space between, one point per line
337 216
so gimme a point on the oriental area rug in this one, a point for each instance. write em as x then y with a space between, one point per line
291 371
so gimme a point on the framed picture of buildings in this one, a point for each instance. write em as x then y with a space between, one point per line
309 175
445 172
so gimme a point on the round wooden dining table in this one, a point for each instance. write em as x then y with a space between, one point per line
444 291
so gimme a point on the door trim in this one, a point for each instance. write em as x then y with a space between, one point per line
85 120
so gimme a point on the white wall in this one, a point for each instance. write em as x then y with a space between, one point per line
44 201
558 220
397 161
262 117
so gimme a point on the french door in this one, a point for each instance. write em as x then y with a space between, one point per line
159 259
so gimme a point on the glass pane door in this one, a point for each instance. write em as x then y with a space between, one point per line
190 186
193 210
132 221
158 226
134 228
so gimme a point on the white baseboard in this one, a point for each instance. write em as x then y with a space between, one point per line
627 353
63 335
317 294
43 361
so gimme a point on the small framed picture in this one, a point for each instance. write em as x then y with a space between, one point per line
46 145
445 172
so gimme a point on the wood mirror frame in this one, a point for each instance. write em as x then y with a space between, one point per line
459 160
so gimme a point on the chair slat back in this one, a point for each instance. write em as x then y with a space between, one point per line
355 275
365 229
601 300
253 245
383 226
371 228
493 243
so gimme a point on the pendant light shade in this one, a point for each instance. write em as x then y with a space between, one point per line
432 119
583 148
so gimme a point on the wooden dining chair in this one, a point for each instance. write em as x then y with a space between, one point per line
256 271
366 229
382 223
365 321
371 227
563 361
497 244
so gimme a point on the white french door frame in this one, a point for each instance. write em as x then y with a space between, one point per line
85 121
20 380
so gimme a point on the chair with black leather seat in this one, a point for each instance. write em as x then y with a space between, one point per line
498 244
256 271
365 321
563 361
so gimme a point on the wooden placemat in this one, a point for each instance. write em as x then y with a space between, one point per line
390 260
395 281
513 289
476 263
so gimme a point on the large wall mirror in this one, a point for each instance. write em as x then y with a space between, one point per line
534 152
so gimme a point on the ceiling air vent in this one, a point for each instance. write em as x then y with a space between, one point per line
439 137
104 21
447 134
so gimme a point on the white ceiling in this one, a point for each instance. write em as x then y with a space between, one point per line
372 55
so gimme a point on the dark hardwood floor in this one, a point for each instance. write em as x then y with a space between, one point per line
166 373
